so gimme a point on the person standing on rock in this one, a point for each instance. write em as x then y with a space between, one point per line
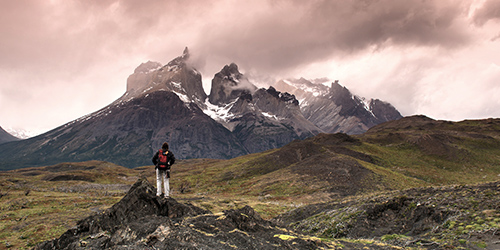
163 159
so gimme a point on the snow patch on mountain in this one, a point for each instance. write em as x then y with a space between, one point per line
316 89
178 85
366 104
22 133
219 113
270 115
183 97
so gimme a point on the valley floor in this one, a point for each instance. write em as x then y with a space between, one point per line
42 203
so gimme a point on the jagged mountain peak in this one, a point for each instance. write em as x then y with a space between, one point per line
231 73
285 96
179 61
177 76
228 85
334 108
147 67
340 91
169 103
230 69
185 53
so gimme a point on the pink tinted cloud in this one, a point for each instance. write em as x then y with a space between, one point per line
95 45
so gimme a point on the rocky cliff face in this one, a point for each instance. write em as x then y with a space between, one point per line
176 76
260 118
335 109
143 221
228 85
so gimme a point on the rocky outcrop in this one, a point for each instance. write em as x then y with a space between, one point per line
446 217
228 85
143 221
142 76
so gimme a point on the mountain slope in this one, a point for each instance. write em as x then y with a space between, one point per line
127 134
355 180
129 130
6 137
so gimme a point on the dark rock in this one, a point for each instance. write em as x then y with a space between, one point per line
229 84
262 118
143 221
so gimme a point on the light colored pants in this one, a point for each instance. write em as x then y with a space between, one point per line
161 175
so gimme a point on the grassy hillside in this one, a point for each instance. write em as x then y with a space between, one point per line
437 152
446 217
37 204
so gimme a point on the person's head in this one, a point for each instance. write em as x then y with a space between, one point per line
164 146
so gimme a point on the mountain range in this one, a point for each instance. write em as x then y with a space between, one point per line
168 103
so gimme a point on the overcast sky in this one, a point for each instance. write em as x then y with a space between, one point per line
62 59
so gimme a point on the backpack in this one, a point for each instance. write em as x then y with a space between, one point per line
163 160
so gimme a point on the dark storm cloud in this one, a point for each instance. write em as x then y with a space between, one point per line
51 49
490 10
266 35
279 35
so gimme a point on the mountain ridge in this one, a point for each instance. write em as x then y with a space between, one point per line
168 103
335 109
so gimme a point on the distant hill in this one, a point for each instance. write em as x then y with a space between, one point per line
6 137
411 152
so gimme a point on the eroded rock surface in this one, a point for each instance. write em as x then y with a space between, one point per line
143 221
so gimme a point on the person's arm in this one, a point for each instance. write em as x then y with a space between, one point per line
155 158
172 158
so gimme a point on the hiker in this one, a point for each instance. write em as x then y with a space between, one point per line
163 159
